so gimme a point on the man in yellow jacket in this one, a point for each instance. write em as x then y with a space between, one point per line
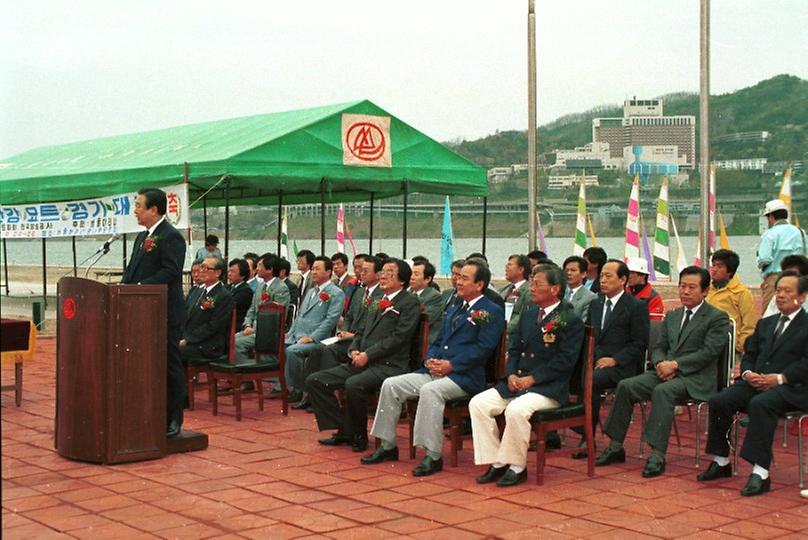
727 293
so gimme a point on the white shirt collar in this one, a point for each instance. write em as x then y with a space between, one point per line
373 288
518 284
474 301
693 310
208 288
615 299
549 309
575 290
393 295
154 227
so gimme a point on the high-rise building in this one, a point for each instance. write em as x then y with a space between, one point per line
644 124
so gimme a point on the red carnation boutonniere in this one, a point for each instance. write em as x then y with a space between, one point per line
325 297
385 304
479 317
264 297
150 243
552 330
207 303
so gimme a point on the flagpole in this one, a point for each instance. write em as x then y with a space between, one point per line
531 125
704 126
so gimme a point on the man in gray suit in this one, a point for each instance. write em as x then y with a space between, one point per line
449 295
579 296
269 289
517 291
319 312
686 359
423 272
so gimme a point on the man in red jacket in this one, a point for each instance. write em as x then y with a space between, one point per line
638 287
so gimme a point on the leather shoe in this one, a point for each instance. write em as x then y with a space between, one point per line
492 474
304 404
715 471
294 396
359 443
756 486
582 453
174 428
381 455
428 466
552 441
511 478
653 467
610 456
336 439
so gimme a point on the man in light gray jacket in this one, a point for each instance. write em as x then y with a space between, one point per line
579 296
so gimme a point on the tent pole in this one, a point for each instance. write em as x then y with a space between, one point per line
44 276
123 247
226 218
280 220
370 236
322 217
485 220
404 232
205 215
73 242
5 262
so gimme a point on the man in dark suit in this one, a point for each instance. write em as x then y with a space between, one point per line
686 358
449 295
380 349
284 269
157 258
204 334
595 258
774 380
454 367
621 326
237 274
541 358
423 273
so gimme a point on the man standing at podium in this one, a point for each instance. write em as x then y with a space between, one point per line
157 258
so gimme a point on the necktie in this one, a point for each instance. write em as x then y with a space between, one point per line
688 314
607 313
507 292
460 313
780 325
541 316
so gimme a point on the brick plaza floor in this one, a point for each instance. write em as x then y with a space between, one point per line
266 477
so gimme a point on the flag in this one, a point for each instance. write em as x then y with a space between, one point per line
697 258
446 241
785 188
681 258
340 229
350 238
294 248
662 256
646 249
712 211
592 231
542 241
579 242
722 231
285 235
632 248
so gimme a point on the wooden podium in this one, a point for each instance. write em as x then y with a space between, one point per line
111 372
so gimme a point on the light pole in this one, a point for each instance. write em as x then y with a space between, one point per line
531 125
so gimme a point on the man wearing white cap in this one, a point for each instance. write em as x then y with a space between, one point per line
638 287
780 240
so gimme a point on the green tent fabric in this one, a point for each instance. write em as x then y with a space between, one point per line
292 153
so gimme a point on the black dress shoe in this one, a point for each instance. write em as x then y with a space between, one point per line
653 467
552 441
582 453
610 456
715 471
381 455
359 443
492 474
304 404
336 439
294 396
174 428
428 467
756 486
511 478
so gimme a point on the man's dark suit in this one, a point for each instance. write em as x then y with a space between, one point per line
787 355
206 326
386 337
624 338
163 265
242 299
697 349
294 291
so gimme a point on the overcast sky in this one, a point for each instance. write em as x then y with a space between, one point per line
82 69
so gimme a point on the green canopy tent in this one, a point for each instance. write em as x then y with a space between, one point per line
279 158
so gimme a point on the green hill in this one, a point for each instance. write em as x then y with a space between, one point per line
776 105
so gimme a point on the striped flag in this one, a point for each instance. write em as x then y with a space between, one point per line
542 241
446 241
646 249
681 258
662 256
579 243
340 229
785 189
632 248
285 235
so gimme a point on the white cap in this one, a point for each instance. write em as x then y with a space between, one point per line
637 264
773 206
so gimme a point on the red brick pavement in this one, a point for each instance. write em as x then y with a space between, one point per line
266 477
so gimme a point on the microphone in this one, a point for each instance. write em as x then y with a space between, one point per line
106 245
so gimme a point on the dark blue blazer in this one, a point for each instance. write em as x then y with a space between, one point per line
162 265
625 336
551 365
468 345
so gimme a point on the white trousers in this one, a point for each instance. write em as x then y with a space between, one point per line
512 449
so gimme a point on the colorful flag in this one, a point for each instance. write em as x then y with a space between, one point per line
579 242
785 188
592 231
294 248
722 231
446 241
646 249
285 235
340 229
681 258
350 238
662 256
632 248
542 241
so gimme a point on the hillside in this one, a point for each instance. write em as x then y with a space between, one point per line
776 105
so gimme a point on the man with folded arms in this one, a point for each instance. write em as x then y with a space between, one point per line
541 358
686 359
380 349
454 367
774 380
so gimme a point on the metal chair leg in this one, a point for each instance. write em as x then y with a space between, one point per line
800 457
642 425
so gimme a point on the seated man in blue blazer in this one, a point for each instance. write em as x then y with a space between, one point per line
454 367
541 358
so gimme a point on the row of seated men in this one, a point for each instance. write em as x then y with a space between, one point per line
375 354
